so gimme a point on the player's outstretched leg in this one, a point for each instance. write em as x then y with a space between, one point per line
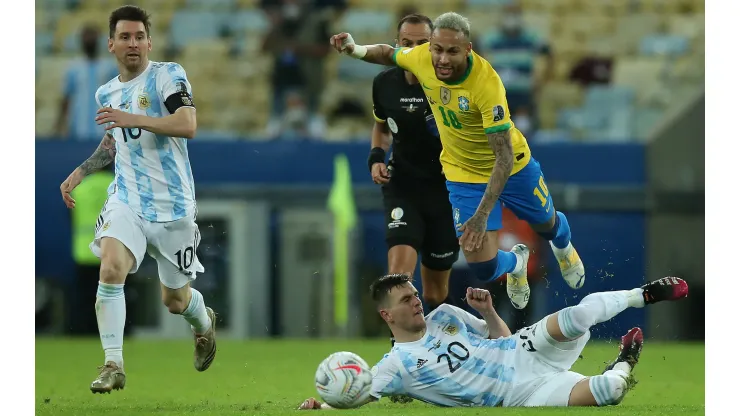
570 323
571 266
110 309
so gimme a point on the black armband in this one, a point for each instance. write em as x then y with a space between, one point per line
377 155
177 100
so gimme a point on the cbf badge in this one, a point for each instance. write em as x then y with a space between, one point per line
444 95
463 103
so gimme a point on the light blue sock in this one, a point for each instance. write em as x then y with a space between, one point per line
196 313
110 309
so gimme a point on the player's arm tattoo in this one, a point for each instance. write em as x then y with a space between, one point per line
103 155
500 142
379 54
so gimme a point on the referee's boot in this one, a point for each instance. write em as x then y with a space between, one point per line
629 349
517 286
111 377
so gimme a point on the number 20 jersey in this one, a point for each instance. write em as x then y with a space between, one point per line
153 175
453 364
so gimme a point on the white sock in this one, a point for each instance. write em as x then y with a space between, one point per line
110 309
196 314
609 388
518 268
594 309
623 366
561 252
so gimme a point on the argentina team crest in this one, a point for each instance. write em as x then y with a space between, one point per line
450 329
463 103
144 101
445 95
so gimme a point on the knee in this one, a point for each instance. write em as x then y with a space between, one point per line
112 271
608 389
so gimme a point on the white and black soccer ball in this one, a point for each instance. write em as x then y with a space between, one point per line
344 380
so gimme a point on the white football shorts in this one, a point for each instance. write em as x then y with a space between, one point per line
172 244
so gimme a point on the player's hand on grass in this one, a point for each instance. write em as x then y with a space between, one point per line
474 232
343 43
68 185
479 299
379 172
115 118
310 404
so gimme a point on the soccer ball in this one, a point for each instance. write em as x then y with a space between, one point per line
344 380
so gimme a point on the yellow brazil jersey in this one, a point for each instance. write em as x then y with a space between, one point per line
465 111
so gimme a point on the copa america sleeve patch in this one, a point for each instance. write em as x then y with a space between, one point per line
177 100
498 113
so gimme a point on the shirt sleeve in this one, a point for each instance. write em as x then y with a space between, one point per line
386 378
410 58
378 112
472 324
491 101
174 88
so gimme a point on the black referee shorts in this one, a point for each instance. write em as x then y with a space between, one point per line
421 217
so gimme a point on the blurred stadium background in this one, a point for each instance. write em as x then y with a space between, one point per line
610 94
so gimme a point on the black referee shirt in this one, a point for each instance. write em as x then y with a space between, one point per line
403 107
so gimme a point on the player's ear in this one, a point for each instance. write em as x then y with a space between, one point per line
110 45
470 47
385 315
395 42
149 43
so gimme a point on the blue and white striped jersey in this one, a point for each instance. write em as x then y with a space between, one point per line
153 174
453 364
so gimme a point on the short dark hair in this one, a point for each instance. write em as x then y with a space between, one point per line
131 13
415 18
380 288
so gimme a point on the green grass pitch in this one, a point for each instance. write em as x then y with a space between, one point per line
273 377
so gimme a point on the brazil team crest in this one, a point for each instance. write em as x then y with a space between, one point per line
144 101
445 95
463 103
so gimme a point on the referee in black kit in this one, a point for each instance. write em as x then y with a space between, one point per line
417 208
